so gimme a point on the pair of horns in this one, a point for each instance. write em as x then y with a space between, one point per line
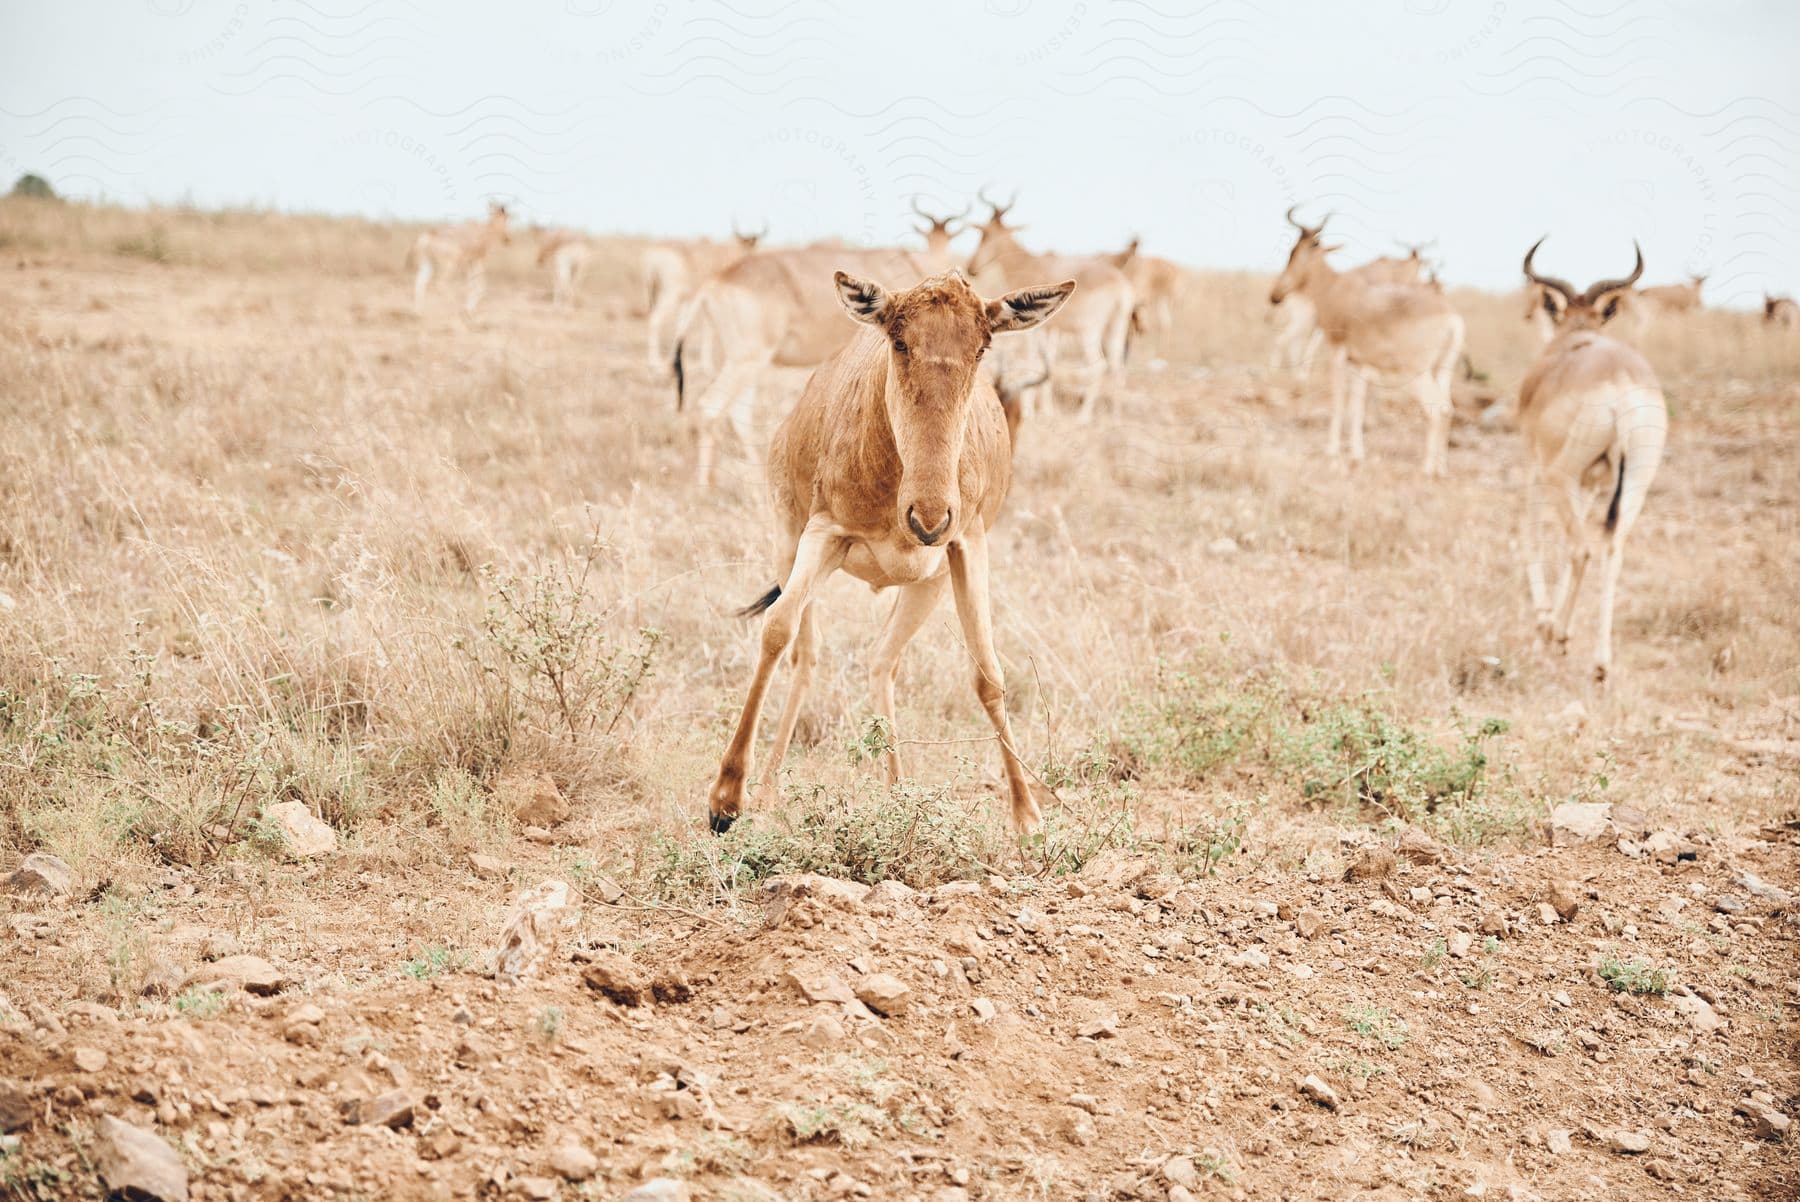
758 236
1593 293
1000 210
1307 231
939 223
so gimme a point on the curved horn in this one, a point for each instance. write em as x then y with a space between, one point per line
1307 231
921 212
1548 281
1604 286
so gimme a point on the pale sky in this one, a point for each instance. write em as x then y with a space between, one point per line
1481 123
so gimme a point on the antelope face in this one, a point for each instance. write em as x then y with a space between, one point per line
1307 254
937 333
1569 310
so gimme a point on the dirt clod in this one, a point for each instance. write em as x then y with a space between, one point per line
618 979
1318 1091
884 993
391 1109
1373 863
1565 898
252 974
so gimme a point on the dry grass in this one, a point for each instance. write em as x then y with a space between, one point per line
265 535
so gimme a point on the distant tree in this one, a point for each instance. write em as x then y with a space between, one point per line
34 186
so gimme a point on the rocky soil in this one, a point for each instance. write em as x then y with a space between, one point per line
1612 1015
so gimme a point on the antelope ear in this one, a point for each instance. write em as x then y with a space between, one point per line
1609 304
1555 304
1332 249
863 300
1027 307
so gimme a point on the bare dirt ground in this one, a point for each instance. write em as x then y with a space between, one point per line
1298 928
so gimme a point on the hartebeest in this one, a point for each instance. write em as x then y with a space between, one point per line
1297 337
892 468
1098 318
938 235
567 254
1594 422
458 248
672 274
1405 332
1781 311
776 308
1156 285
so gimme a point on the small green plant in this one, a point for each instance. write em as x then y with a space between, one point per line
1200 849
1491 944
434 960
554 651
31 1180
548 1023
1378 1023
1434 955
1633 976
1362 1070
1479 979
200 1003
872 742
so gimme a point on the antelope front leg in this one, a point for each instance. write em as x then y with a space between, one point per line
819 553
477 289
1537 524
1357 388
1340 367
969 576
806 657
912 609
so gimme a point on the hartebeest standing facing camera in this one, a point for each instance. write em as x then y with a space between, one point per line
1594 422
892 467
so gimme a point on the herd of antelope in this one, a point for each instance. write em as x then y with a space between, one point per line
895 462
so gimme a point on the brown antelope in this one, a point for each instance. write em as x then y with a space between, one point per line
892 468
1298 335
672 273
567 254
1594 422
774 309
938 235
1098 318
1405 332
458 248
1781 311
1156 284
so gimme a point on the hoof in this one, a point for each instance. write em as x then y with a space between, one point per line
718 824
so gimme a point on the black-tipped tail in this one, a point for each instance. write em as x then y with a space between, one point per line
680 379
718 824
1612 508
761 604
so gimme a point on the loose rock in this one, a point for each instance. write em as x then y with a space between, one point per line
302 833
661 1189
529 932
252 974
1579 821
486 868
534 799
1316 1089
885 994
135 1163
42 874
1373 863
1565 898
1630 1143
574 1162
392 1109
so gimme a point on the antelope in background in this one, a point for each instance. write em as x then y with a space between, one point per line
1155 283
1594 422
672 274
1652 303
458 248
892 467
1098 318
1781 311
1405 332
938 235
774 309
567 254
1298 337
